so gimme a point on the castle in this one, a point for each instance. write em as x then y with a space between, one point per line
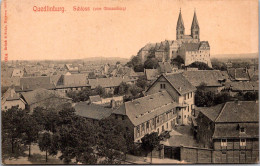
189 47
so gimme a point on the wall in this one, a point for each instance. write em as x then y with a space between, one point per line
8 104
196 155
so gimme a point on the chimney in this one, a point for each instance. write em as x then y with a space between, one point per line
113 103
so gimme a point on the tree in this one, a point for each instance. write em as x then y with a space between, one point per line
114 140
151 63
142 82
200 66
31 130
77 139
91 75
135 90
46 143
99 90
46 118
150 142
249 96
178 61
123 88
12 123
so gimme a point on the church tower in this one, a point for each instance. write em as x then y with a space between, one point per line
180 29
195 29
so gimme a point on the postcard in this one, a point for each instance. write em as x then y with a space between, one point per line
129 82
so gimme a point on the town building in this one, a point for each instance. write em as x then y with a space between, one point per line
232 130
92 112
44 98
111 83
189 47
212 80
11 99
181 91
152 113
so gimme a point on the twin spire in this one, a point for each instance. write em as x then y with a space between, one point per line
194 25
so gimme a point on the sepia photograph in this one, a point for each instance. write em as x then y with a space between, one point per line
107 82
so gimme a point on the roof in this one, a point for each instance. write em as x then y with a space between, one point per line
151 74
211 112
191 46
231 130
32 83
180 83
10 95
74 80
92 111
96 98
40 94
195 23
241 111
9 81
145 108
240 74
165 67
108 82
242 86
209 77
180 23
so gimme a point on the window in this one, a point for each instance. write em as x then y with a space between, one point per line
167 125
242 130
188 108
143 127
147 125
191 94
157 119
223 142
162 86
138 129
5 107
196 32
242 142
158 130
184 116
179 117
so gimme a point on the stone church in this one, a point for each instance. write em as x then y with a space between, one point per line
189 47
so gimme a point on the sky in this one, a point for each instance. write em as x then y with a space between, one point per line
230 26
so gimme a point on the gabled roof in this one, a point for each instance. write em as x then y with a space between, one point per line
108 82
242 86
191 46
74 80
209 77
41 94
239 74
241 111
92 111
211 112
145 108
180 83
32 83
231 130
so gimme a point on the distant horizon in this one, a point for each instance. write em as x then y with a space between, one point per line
242 57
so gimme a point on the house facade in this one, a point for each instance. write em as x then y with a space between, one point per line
232 130
151 113
181 91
